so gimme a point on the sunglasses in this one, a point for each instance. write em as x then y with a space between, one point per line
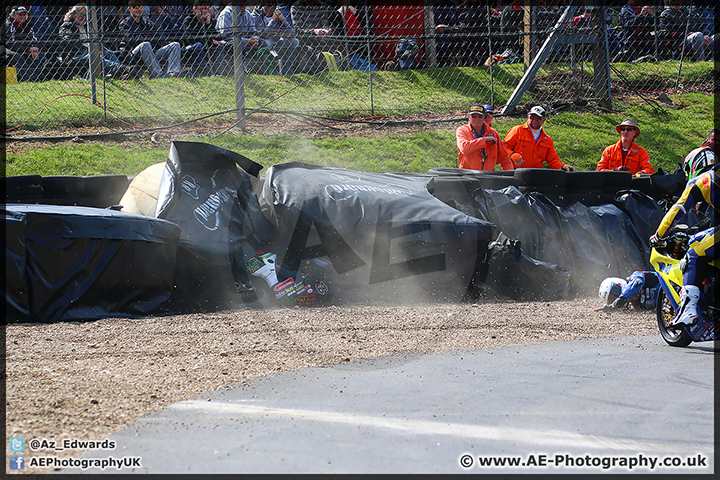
535 117
627 129
476 115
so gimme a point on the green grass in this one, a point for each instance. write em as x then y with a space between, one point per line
668 134
35 106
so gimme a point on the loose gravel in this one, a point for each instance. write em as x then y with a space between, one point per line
88 380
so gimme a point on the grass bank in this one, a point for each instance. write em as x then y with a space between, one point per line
668 134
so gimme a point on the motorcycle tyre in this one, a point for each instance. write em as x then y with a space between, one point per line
674 338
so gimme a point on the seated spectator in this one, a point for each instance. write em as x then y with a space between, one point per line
626 155
168 19
22 46
141 38
74 36
582 21
110 18
43 20
275 28
447 28
204 41
473 18
355 23
529 146
353 19
636 33
674 21
479 145
250 41
512 22
314 22
705 10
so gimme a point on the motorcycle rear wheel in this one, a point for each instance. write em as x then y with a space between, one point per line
665 314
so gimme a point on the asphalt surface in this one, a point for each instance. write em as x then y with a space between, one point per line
559 407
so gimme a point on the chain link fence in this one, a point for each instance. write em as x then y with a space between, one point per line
220 65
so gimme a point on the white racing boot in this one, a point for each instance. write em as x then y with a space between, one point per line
688 314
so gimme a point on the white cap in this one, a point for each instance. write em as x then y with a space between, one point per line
537 110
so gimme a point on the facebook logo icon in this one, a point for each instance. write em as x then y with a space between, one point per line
17 462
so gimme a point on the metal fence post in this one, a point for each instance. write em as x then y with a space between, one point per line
239 69
370 57
490 52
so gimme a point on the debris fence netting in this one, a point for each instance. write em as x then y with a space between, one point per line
359 66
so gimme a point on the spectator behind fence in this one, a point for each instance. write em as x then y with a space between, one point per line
698 46
109 20
250 41
479 145
625 155
353 19
582 21
705 10
22 46
473 18
168 19
311 17
355 24
675 20
636 31
314 22
74 39
205 49
529 146
512 22
140 37
43 19
279 36
447 29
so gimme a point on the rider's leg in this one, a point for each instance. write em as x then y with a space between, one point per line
701 244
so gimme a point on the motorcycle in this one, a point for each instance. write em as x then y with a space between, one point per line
307 288
666 258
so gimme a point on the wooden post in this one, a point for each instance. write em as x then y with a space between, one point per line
601 59
95 49
527 28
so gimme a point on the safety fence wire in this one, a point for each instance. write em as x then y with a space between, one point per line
415 59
